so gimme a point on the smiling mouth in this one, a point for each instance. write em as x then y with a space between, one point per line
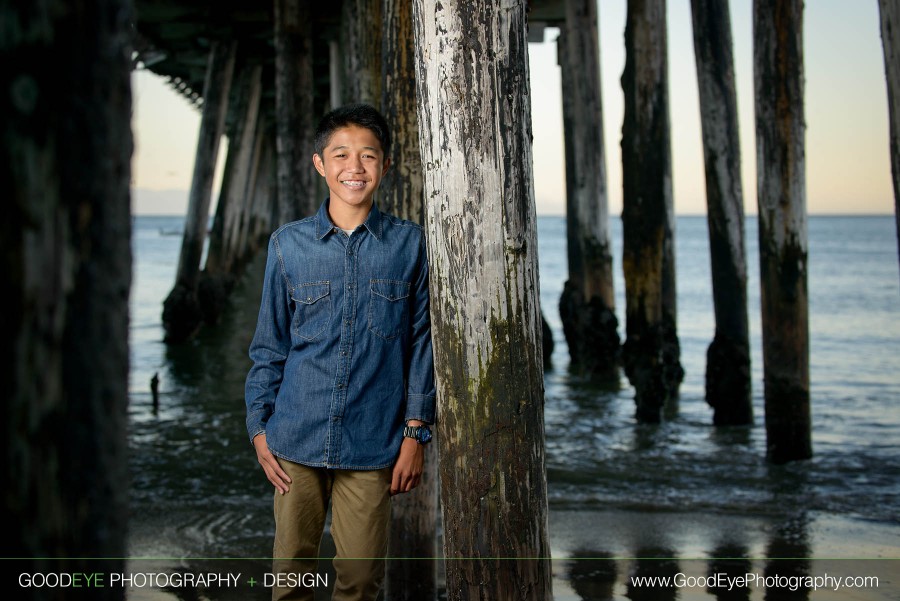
354 183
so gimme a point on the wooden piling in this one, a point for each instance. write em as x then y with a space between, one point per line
257 205
361 50
890 41
475 131
587 304
65 163
223 240
295 116
263 213
400 192
414 516
728 357
651 351
781 198
182 314
220 272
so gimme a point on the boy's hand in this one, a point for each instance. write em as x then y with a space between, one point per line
277 476
408 467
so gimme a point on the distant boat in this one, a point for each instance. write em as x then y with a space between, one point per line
170 231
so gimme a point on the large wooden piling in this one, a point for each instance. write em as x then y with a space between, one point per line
781 197
414 516
65 160
587 304
651 351
401 189
262 214
220 271
728 357
222 255
890 41
182 312
361 49
475 132
295 117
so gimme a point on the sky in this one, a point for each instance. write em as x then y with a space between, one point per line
847 144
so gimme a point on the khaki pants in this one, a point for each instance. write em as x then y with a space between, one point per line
360 516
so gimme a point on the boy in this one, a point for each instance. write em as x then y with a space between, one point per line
342 386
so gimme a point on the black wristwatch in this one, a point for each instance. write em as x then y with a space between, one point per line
422 434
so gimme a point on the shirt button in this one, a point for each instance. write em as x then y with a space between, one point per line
340 386
348 322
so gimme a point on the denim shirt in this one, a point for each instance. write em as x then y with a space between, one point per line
342 351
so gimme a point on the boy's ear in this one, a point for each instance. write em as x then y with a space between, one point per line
387 165
320 166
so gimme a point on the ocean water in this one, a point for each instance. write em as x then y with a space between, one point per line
616 488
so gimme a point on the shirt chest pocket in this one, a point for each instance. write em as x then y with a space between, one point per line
388 308
312 310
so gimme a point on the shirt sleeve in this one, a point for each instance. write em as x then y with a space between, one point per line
420 395
270 345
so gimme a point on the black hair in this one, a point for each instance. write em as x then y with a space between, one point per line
362 115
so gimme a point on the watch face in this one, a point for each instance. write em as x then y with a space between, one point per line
424 434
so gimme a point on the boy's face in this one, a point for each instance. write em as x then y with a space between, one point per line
352 164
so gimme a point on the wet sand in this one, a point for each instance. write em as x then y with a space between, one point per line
604 549
598 552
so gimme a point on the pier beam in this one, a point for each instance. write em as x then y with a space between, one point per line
890 41
781 199
651 353
65 163
728 357
182 314
414 516
482 241
295 118
587 304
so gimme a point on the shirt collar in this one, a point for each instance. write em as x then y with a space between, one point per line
324 226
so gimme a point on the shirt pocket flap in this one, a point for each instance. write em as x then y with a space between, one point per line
390 289
310 293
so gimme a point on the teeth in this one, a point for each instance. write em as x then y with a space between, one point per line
354 183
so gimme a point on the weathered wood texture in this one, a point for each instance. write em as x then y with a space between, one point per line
890 41
294 110
728 357
651 351
401 189
182 314
781 198
65 162
414 516
361 51
475 132
587 304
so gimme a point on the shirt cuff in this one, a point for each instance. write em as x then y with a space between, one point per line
255 434
420 407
